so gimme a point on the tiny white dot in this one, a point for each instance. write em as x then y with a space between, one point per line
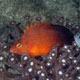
41 67
50 57
78 77
25 58
74 44
66 75
48 64
1 58
33 78
20 65
12 59
5 46
68 50
63 60
31 63
75 61
47 79
63 64
38 72
1 70
42 74
65 47
30 70
77 49
53 54
78 68
51 71
70 57
60 72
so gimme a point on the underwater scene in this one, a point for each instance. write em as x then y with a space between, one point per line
39 39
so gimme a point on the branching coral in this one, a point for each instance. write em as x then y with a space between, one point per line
63 64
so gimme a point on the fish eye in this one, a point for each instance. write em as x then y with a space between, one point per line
19 45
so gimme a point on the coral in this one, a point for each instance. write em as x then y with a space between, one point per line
63 64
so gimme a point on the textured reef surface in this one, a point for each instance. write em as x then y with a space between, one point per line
63 64
17 9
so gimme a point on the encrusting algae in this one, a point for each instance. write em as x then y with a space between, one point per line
40 38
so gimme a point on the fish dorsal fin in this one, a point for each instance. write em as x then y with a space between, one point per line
27 28
37 26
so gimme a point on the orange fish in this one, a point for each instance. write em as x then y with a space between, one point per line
40 38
